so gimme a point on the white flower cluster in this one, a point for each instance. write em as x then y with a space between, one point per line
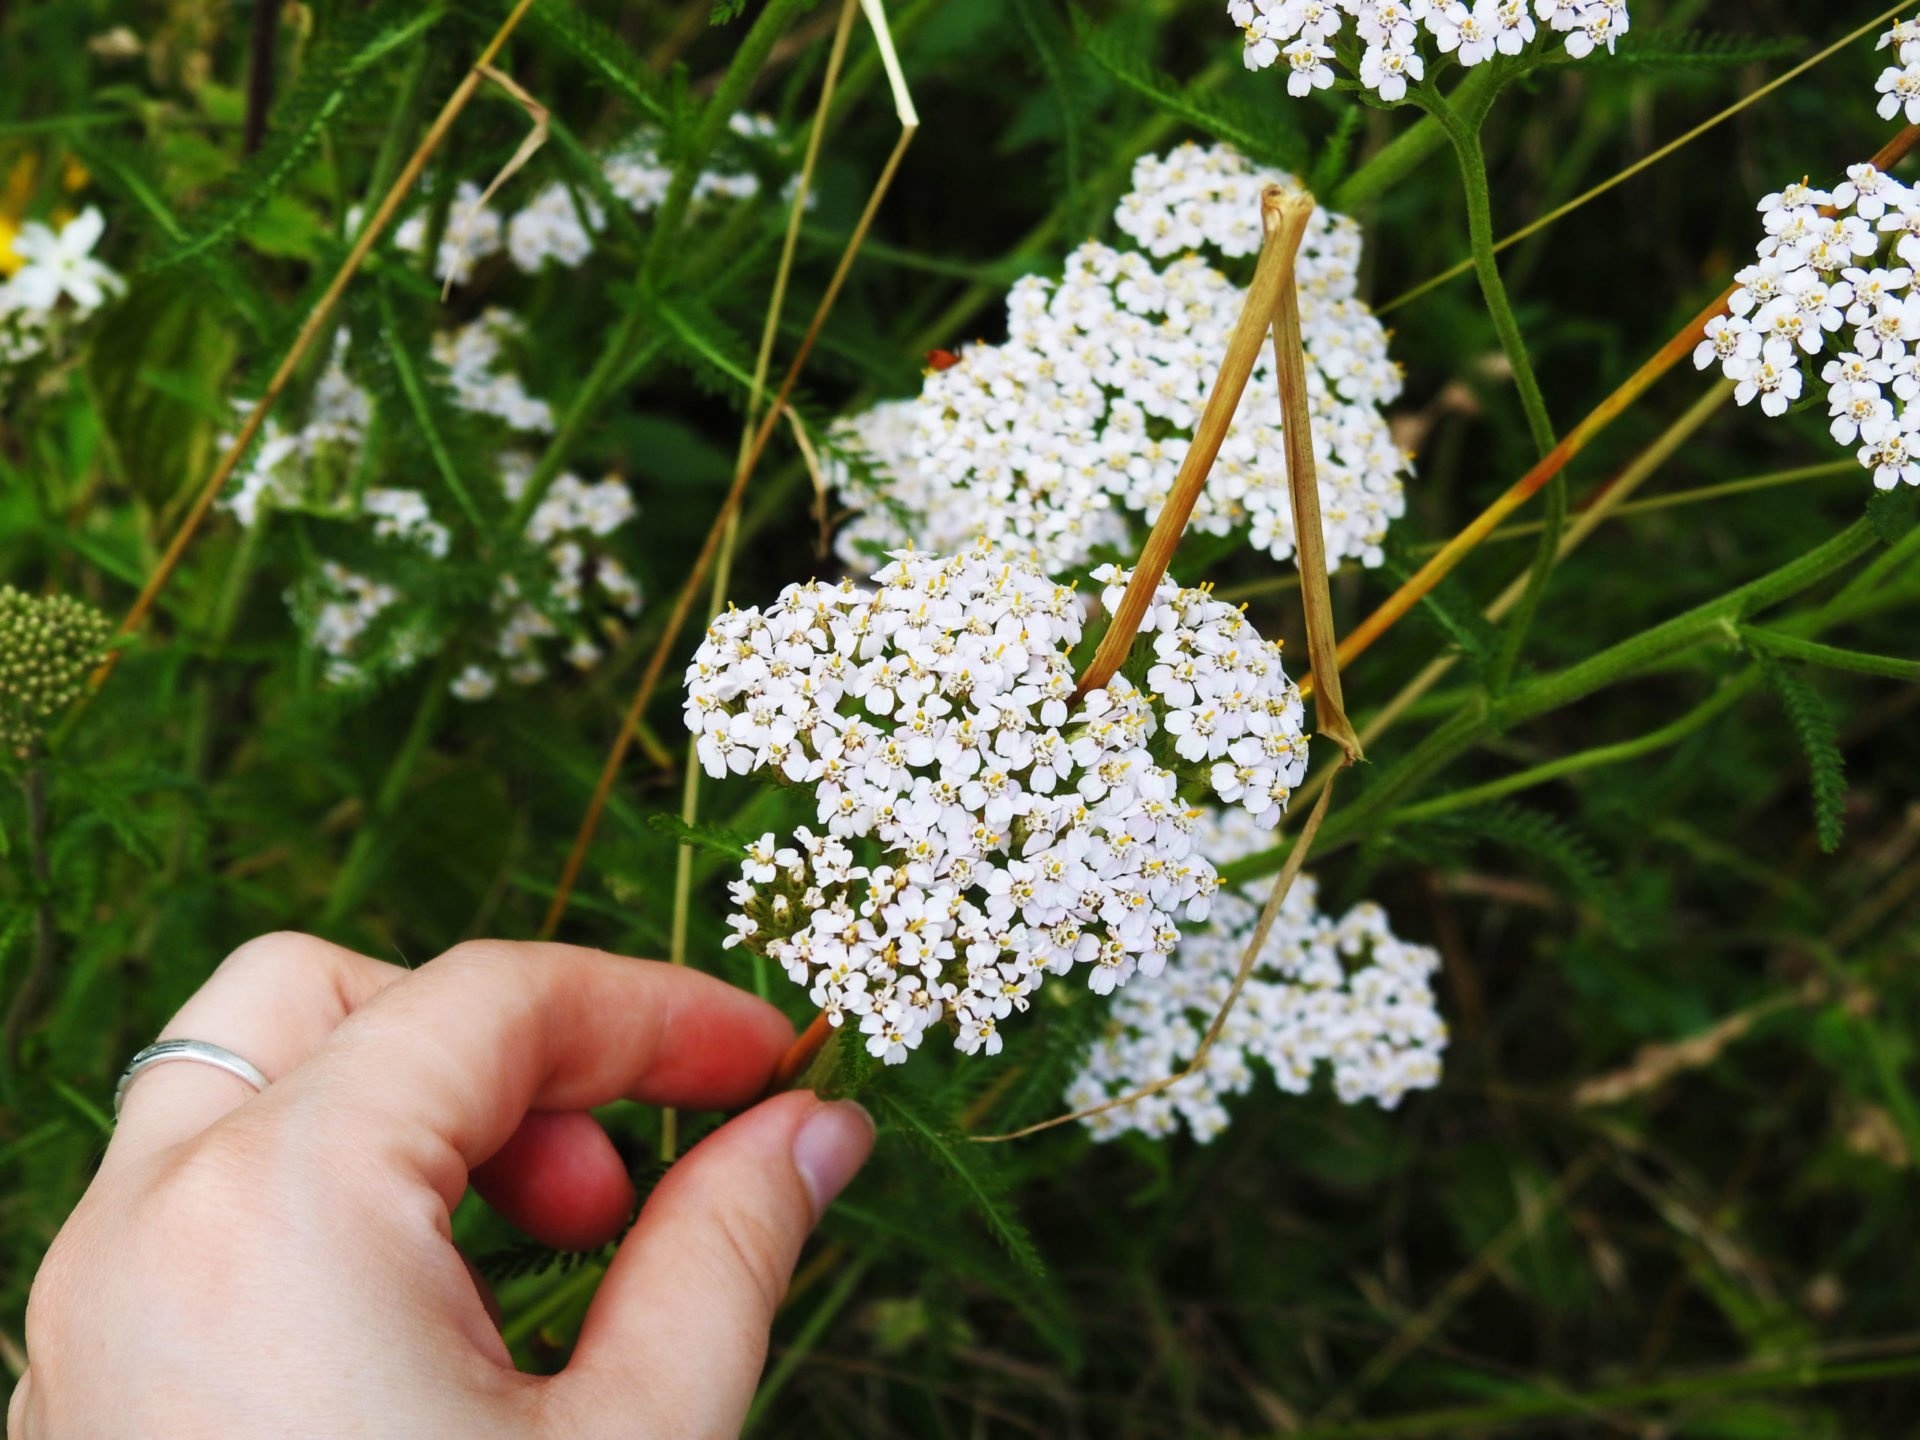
1833 288
404 515
338 607
1023 833
575 594
1302 32
303 467
1342 993
55 266
1899 85
472 354
559 224
585 590
1042 443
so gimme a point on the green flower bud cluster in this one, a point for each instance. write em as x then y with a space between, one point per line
48 646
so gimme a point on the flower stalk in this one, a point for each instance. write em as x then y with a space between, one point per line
1464 132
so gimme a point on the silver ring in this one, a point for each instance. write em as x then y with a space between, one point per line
204 1051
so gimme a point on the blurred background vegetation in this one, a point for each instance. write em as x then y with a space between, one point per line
1579 1233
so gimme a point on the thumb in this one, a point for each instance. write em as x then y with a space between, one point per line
684 1312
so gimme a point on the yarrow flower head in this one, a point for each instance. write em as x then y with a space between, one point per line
978 827
1301 33
1340 994
1045 443
1831 298
48 645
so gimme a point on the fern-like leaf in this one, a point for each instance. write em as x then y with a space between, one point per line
333 77
605 55
969 1163
1255 135
716 839
1813 726
1552 842
1451 609
1678 48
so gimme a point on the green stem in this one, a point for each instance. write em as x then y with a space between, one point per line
1594 759
1464 131
1828 657
804 1341
1409 150
1545 553
1481 718
726 98
354 871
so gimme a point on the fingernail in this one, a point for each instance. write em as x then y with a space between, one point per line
829 1148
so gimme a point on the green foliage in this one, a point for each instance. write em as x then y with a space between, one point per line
1709 1249
333 78
608 59
1270 140
1530 835
973 1167
1813 727
714 839
1678 48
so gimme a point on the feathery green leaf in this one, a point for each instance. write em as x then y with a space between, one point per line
971 1164
1813 726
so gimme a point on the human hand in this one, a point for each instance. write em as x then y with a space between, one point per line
282 1264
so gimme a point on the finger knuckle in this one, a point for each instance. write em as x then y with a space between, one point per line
273 955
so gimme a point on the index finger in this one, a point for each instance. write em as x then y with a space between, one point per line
434 1073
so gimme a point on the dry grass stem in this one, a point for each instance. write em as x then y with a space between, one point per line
683 603
723 567
1272 276
1653 1065
536 137
310 332
1284 214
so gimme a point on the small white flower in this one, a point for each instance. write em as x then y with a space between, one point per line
1900 90
1336 995
61 265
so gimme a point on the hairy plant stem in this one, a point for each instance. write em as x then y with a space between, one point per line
26 999
1462 127
1595 758
1412 147
1482 717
